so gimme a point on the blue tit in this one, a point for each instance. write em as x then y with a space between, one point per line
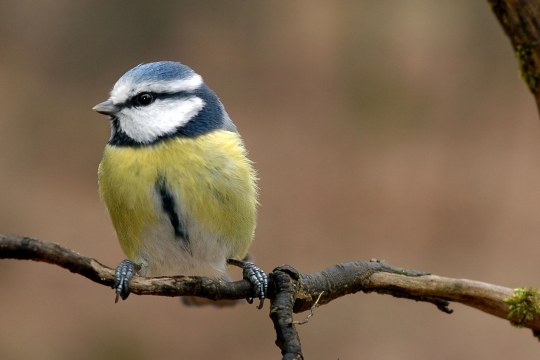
176 180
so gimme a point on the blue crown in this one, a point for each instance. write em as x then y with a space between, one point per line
159 71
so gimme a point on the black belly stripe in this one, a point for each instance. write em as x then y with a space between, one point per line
169 207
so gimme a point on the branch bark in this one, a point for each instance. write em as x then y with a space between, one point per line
519 20
291 291
285 283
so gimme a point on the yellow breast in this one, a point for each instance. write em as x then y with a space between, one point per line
210 176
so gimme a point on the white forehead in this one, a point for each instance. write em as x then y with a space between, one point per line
126 87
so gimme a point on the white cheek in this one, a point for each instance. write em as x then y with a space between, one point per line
146 124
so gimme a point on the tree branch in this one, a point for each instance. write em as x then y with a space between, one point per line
519 20
291 291
286 283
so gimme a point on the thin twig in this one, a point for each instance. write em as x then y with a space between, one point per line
311 312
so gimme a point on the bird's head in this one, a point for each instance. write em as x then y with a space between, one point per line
160 100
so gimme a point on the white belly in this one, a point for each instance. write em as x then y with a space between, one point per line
162 254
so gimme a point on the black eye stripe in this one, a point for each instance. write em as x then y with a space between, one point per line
132 101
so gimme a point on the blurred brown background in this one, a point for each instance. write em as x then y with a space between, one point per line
397 130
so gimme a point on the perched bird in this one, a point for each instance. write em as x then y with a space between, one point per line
180 190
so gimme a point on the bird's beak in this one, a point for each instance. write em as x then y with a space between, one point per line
106 108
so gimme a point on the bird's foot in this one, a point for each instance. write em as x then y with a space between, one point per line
256 276
122 276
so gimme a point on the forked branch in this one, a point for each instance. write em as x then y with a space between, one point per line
291 291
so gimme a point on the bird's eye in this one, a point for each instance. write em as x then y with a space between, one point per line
144 99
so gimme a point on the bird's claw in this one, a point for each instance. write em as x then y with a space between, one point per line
257 277
122 276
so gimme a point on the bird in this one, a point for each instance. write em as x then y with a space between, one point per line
175 177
